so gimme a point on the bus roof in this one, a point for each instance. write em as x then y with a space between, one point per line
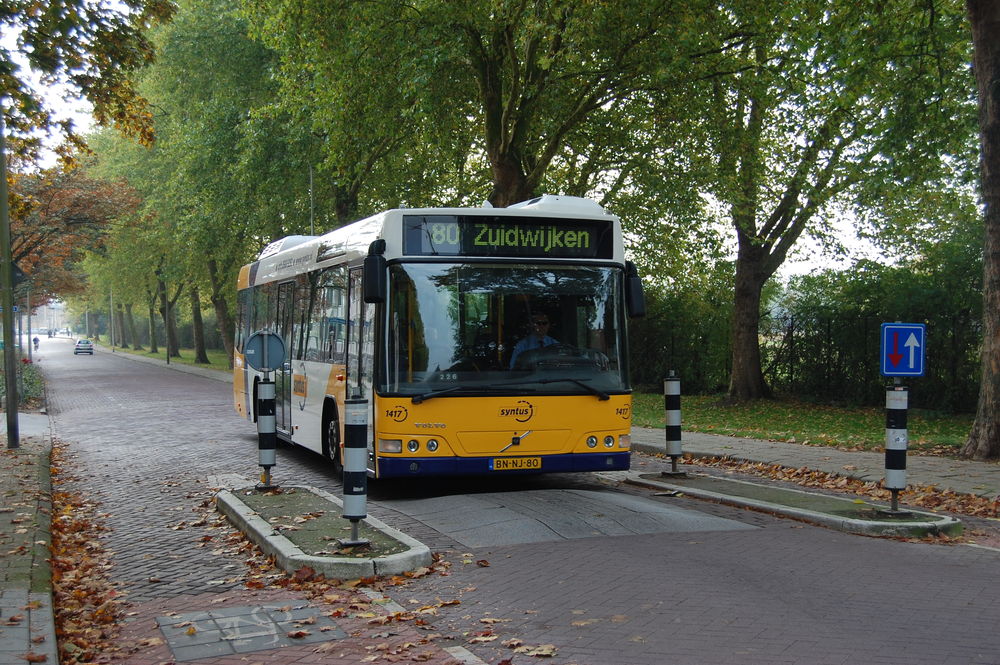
349 244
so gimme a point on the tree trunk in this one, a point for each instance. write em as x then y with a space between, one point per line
984 15
510 185
120 327
161 294
168 312
151 299
504 136
198 328
133 333
222 316
747 380
173 337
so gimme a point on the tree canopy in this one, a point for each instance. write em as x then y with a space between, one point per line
94 48
708 127
60 215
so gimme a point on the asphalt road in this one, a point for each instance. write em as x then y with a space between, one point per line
609 575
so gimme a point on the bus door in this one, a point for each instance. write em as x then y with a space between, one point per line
361 350
283 375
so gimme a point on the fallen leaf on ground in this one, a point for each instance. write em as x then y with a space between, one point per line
540 651
479 639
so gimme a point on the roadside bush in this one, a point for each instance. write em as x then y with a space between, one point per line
30 384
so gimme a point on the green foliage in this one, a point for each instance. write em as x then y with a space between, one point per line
94 48
221 182
501 95
823 340
689 121
30 384
686 330
819 334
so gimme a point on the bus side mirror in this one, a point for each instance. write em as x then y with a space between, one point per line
635 299
373 273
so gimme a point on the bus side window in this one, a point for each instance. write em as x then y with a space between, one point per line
316 319
244 301
335 342
337 332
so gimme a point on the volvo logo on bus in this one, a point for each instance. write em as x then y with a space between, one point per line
521 412
397 413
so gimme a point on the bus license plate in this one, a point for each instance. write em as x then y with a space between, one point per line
516 463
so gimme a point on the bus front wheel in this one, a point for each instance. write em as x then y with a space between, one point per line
331 442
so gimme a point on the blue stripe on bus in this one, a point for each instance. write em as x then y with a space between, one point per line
396 467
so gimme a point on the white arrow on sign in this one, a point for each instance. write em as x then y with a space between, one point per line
914 345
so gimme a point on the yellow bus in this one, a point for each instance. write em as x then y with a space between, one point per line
485 340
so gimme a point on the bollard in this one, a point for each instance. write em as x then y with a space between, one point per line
355 466
267 438
896 441
672 406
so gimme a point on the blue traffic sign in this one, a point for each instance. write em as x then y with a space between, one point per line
264 351
903 349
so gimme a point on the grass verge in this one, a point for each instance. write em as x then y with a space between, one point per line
806 423
217 358
315 525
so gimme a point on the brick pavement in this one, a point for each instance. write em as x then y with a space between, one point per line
142 441
145 440
25 508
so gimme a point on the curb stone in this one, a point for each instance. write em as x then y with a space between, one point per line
932 525
289 557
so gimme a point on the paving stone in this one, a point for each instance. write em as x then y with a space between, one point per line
145 440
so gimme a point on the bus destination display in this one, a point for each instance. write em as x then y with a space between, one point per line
452 235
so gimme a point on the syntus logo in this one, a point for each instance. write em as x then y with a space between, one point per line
522 411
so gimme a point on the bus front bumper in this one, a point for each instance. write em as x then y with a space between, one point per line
398 467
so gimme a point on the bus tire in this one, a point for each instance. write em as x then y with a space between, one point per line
331 435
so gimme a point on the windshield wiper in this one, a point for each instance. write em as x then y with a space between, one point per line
417 399
601 395
505 387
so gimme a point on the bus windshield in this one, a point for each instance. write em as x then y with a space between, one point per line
481 328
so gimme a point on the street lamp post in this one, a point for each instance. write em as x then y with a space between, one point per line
7 298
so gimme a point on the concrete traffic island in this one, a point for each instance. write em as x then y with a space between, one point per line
302 526
842 513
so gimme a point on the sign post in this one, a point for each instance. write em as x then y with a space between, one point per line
265 352
902 354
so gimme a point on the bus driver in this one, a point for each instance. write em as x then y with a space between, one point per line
538 338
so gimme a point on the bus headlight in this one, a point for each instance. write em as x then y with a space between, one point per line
390 445
609 441
432 445
625 441
412 445
591 441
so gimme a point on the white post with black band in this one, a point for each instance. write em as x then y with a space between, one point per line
896 443
672 424
265 352
267 437
355 466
